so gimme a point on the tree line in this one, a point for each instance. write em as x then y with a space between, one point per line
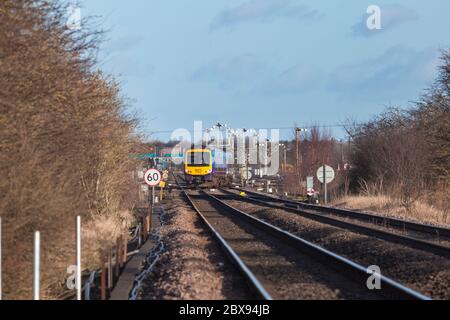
65 137
403 153
406 152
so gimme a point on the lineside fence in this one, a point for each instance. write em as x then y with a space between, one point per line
92 284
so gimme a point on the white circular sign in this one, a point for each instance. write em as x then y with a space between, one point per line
152 177
249 174
329 174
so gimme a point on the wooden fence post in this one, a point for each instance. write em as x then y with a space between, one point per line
146 228
125 249
139 235
119 245
103 281
117 265
109 268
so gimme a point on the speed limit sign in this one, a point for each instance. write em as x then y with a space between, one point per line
152 177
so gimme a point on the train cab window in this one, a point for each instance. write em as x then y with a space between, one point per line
199 159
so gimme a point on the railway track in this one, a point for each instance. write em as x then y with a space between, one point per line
280 265
400 224
388 229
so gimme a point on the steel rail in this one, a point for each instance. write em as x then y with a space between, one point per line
364 216
251 279
415 243
332 260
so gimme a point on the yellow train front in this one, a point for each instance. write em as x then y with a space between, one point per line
198 166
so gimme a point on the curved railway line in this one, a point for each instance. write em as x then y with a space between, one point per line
400 224
419 269
428 238
281 265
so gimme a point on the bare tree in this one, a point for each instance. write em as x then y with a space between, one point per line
406 153
64 140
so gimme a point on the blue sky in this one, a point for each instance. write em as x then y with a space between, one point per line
268 63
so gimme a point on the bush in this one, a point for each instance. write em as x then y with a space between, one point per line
64 141
406 153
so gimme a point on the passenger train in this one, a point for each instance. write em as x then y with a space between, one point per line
206 166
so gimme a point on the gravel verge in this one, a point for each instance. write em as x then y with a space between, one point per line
192 265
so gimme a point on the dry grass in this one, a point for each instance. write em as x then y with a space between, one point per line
385 205
101 233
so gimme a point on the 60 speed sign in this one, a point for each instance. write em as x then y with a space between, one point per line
152 177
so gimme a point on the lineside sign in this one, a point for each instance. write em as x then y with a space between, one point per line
152 177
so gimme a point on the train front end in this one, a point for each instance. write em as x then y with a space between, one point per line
198 166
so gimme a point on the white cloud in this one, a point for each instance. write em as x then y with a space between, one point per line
124 43
129 67
398 73
259 75
395 74
296 79
263 11
233 72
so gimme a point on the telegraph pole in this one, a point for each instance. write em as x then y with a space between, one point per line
325 184
284 164
297 148
298 153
